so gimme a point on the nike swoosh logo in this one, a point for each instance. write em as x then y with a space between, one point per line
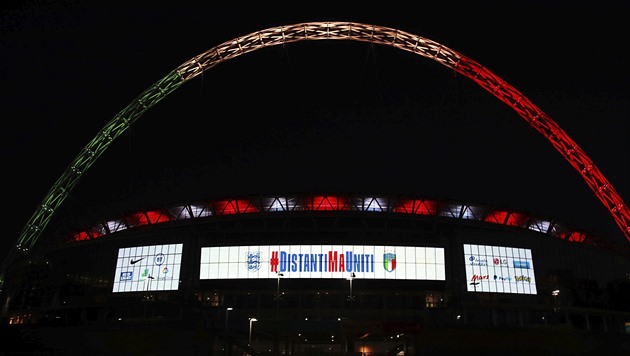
133 262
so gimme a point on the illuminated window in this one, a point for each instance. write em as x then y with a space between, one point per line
212 299
434 300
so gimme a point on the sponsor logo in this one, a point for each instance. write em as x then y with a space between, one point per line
474 261
159 259
253 261
144 274
476 277
523 279
389 261
521 264
133 262
164 271
126 276
500 278
497 261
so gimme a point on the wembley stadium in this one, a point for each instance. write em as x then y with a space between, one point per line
318 273
306 274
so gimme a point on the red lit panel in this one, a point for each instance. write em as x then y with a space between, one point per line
86 235
425 207
405 206
157 216
573 236
517 219
81 236
496 217
147 218
230 207
225 207
137 219
324 203
416 206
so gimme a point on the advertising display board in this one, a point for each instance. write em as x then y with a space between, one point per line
148 268
499 269
322 261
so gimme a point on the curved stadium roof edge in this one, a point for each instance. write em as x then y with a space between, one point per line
386 204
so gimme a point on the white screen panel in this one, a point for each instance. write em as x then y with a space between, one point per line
499 269
148 268
322 261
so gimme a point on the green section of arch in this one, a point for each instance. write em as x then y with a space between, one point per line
301 32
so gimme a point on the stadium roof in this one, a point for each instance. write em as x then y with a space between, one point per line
326 203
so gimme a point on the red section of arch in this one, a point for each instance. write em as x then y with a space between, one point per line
555 135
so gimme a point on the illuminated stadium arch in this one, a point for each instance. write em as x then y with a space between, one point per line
405 41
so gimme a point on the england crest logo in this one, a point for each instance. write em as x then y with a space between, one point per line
253 261
389 261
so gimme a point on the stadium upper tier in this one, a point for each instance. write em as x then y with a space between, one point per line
394 205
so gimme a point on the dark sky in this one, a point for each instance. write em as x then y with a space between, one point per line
325 116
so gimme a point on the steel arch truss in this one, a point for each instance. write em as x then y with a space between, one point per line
405 41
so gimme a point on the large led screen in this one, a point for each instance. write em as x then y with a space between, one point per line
322 261
148 268
499 269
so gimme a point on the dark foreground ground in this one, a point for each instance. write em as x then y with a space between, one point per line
77 340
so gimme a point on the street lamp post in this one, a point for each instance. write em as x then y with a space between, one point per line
277 346
251 321
147 295
227 310
555 294
278 295
349 340
352 275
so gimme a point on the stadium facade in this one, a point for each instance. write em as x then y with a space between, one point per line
320 274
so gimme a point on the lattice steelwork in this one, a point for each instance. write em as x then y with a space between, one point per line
604 191
396 205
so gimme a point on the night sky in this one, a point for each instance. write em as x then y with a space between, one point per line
314 116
